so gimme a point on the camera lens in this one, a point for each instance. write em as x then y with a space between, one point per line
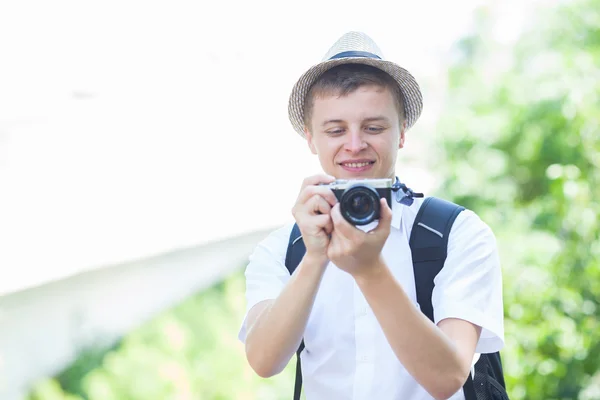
360 204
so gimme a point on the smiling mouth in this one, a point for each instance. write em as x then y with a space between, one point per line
357 164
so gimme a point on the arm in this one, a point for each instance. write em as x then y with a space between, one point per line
438 357
275 327
468 289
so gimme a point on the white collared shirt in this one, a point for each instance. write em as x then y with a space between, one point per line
347 355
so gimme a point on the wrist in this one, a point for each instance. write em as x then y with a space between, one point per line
372 274
319 261
312 268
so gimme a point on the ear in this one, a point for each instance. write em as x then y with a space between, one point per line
402 134
309 140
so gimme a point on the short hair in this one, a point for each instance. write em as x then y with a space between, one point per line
345 79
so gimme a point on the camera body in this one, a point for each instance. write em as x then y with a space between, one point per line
359 198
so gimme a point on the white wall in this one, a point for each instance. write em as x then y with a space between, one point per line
41 328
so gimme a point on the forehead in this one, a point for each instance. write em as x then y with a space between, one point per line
365 99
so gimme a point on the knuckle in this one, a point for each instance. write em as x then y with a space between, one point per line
320 221
303 228
347 251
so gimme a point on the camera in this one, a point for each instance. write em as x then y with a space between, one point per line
359 198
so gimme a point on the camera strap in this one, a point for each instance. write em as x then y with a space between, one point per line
404 194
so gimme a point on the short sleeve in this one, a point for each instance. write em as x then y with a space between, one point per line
266 274
469 287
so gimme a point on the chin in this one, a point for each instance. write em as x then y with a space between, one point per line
356 175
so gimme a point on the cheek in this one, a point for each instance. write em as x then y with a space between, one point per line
388 148
327 157
326 150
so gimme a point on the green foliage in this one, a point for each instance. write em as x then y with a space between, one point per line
189 352
521 146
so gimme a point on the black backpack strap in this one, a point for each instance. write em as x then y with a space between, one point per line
298 382
293 256
295 250
429 248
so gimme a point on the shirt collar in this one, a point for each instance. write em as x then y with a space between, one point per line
397 210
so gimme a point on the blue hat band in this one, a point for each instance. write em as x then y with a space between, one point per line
346 54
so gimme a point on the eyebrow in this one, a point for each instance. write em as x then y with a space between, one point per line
370 119
332 121
378 118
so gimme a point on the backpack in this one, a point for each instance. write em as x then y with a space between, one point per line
428 243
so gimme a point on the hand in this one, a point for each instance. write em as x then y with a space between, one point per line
312 214
353 250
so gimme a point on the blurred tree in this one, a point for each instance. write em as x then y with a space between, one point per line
519 143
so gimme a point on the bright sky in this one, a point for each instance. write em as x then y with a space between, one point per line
132 128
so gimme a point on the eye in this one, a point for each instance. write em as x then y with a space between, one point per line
375 129
335 131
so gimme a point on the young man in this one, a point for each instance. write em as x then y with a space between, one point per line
352 299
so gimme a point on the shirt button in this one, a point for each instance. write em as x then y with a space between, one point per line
362 312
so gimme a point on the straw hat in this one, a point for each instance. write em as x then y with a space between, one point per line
355 48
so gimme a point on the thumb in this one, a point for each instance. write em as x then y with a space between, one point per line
385 217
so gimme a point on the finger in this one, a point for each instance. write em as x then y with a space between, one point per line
386 212
329 227
322 191
317 179
315 225
340 225
322 221
315 206
318 205
385 216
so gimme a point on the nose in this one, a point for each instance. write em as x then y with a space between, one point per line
355 142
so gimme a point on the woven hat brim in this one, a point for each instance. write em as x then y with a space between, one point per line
413 99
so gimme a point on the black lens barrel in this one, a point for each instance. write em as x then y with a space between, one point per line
359 204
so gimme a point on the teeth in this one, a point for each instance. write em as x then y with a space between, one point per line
357 165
